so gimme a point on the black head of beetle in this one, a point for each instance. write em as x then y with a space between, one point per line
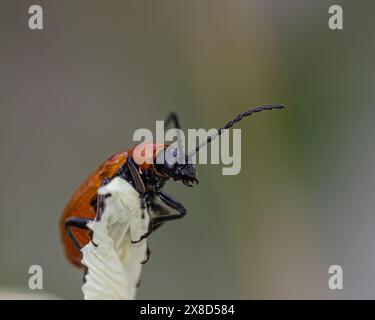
173 163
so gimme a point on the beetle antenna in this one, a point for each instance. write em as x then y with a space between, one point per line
231 123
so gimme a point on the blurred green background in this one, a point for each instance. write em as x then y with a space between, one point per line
74 93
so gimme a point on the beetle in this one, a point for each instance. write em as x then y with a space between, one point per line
147 179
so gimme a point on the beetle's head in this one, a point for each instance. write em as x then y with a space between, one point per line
172 163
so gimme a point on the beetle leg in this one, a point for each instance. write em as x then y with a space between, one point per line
81 223
85 272
143 202
97 202
100 200
157 211
162 214
174 204
144 236
148 253
151 228
75 222
138 182
160 218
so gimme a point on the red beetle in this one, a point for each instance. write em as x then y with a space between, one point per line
147 179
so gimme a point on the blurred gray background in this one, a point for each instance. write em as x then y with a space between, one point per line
74 93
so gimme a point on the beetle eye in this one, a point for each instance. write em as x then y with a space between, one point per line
170 157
